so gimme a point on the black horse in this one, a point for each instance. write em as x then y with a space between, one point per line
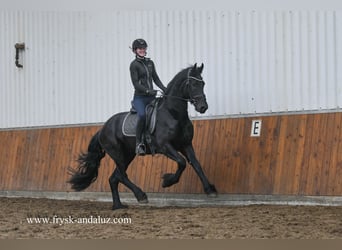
172 137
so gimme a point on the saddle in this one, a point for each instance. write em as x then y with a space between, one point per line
130 121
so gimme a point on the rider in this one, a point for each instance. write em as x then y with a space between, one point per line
142 71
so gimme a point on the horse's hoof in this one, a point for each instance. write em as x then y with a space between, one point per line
211 191
142 198
143 201
212 195
167 184
120 206
168 180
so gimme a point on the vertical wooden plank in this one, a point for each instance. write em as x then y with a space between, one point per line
265 171
327 151
291 150
149 173
312 156
335 164
76 142
308 147
53 143
20 157
278 182
39 163
324 141
274 152
28 150
8 147
238 149
60 163
236 139
254 158
37 171
288 156
4 161
338 175
300 140
10 157
140 171
156 165
231 166
317 153
246 160
223 153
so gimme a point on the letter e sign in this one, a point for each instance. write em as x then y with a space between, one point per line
256 128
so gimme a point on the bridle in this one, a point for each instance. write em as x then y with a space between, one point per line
192 99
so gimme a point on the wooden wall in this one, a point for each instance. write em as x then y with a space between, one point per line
295 155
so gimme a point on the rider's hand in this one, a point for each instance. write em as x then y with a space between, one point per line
151 92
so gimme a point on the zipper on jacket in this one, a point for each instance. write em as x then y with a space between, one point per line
149 83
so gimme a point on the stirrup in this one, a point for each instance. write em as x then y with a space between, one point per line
140 149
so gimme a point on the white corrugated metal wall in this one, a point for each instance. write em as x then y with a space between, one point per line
76 62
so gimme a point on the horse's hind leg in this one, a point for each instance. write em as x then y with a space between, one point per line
122 162
114 183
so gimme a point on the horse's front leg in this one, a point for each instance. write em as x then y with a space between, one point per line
170 179
190 155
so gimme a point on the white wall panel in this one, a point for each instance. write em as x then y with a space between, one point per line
76 63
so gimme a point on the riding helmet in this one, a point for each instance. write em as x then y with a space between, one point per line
139 43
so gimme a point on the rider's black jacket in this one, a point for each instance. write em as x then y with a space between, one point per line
142 73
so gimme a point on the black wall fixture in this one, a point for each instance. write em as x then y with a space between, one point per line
18 47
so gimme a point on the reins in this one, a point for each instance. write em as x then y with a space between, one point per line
177 97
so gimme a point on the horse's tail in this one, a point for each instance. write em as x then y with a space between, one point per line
89 163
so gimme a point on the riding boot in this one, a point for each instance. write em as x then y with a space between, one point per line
140 146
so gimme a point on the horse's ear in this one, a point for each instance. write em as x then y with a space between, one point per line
195 67
201 68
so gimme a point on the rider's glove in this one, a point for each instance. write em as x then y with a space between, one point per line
151 92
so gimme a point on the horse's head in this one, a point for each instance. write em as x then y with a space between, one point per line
195 86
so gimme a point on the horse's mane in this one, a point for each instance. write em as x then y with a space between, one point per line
178 77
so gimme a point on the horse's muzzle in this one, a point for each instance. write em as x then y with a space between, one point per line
202 109
201 105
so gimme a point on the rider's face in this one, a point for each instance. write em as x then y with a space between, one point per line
141 52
